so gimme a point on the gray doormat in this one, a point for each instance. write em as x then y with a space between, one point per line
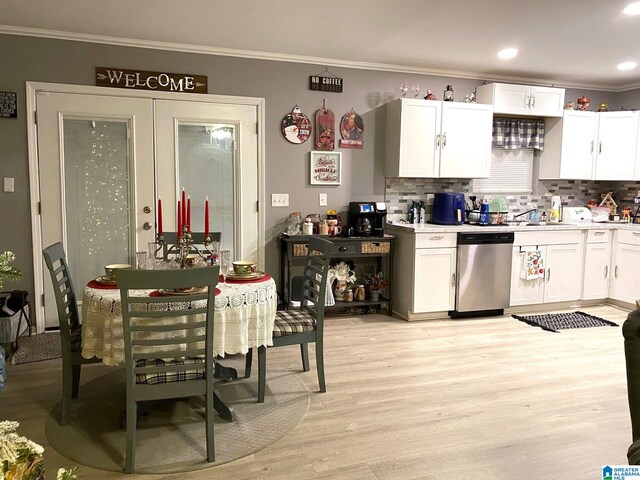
553 322
37 348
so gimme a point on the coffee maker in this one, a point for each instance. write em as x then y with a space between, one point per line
367 218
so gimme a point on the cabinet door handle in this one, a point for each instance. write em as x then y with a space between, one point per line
453 279
636 234
616 272
599 234
342 249
444 139
437 237
591 146
437 140
527 101
533 101
600 147
606 271
548 274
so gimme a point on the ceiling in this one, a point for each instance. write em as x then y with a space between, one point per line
572 43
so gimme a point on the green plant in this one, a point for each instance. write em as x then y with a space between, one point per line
21 459
7 272
375 281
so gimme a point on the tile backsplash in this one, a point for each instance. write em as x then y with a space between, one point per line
399 192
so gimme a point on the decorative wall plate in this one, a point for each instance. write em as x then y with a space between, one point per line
296 126
352 130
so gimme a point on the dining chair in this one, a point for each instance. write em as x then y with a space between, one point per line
166 357
170 238
303 326
70 327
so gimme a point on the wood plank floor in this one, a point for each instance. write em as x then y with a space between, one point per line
489 398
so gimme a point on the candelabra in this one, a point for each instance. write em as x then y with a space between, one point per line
187 252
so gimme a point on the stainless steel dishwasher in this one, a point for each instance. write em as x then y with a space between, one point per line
483 273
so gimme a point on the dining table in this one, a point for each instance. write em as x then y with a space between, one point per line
244 315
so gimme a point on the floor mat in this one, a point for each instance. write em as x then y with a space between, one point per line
553 322
37 348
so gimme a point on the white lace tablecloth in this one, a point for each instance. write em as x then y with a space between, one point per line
244 317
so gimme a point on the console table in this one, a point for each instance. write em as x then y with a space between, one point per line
376 250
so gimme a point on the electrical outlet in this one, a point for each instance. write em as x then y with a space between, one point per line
322 199
9 184
279 199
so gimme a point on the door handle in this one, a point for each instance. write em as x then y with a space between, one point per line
548 274
600 147
606 271
437 140
437 237
146 209
599 234
616 272
342 249
147 226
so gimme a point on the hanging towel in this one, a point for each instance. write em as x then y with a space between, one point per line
532 265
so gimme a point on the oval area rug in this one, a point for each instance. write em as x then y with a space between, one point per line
171 438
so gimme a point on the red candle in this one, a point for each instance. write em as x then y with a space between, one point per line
184 207
206 217
159 212
179 219
189 213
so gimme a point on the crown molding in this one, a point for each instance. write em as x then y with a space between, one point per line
279 57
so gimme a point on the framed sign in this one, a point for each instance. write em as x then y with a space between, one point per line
325 168
8 105
144 80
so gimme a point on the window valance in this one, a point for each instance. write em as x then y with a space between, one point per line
514 133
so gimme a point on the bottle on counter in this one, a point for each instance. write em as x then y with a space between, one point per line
484 213
422 213
307 226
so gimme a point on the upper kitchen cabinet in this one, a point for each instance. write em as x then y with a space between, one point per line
522 99
433 139
590 146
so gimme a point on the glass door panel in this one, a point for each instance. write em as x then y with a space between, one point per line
206 169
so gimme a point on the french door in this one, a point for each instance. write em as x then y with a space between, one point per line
104 159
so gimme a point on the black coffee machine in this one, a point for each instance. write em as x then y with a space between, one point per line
367 218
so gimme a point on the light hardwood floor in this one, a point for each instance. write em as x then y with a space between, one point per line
489 398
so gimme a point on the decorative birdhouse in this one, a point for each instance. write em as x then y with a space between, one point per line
607 201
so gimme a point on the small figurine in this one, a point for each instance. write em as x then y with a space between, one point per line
569 106
592 203
583 103
472 97
603 107
466 99
626 214
404 88
429 95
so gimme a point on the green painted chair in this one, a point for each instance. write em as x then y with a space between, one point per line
304 326
164 356
70 327
170 238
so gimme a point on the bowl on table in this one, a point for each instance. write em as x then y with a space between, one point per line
244 267
110 270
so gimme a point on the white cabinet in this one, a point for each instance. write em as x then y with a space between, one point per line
437 139
597 261
625 284
512 99
562 280
423 273
616 145
590 146
569 146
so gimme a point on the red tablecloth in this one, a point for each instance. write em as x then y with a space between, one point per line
156 293
102 286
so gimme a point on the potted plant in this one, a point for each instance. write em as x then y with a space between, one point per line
375 283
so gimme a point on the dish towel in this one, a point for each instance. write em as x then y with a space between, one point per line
532 265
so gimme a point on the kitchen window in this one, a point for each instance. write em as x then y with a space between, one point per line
511 172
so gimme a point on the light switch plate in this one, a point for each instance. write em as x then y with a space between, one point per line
9 184
322 199
279 199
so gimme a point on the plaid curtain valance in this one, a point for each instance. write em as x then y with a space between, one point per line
514 133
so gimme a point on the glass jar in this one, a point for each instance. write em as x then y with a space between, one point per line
359 294
293 225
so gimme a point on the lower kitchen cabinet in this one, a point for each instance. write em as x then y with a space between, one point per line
625 284
562 280
434 288
597 265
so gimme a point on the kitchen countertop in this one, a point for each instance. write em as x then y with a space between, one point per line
433 228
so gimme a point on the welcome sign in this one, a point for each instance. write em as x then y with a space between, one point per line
144 80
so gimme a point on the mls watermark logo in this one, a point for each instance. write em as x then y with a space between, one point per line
620 472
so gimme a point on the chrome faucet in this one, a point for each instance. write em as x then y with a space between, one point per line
524 213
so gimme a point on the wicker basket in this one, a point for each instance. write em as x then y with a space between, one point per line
376 247
300 250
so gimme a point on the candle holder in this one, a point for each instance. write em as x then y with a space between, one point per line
187 252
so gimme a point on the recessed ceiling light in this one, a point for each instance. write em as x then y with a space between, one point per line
508 53
632 9
627 65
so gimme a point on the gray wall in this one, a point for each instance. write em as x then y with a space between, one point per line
283 85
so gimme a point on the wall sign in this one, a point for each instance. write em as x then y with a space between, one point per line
352 130
296 126
143 80
325 129
8 105
325 84
325 168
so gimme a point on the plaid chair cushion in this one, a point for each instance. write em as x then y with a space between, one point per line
289 322
166 377
76 340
